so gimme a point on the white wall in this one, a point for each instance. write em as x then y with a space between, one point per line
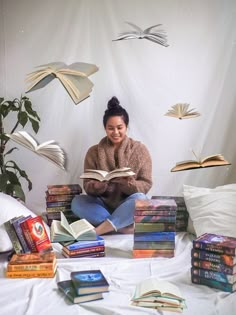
198 67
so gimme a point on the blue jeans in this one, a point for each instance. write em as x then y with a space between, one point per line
95 211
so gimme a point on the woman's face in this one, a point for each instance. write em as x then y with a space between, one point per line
116 129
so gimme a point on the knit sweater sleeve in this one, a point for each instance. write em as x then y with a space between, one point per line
90 161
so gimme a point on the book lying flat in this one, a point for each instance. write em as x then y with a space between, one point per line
62 231
49 149
106 176
74 78
209 161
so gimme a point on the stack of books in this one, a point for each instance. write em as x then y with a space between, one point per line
158 294
182 214
81 249
84 286
34 265
154 228
28 234
214 261
58 199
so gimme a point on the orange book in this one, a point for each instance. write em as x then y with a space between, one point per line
147 253
31 273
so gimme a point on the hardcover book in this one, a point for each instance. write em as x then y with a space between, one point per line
214 257
155 204
154 218
89 281
17 226
214 275
69 291
154 212
216 243
227 287
88 255
147 253
99 241
85 250
66 189
154 236
56 198
13 236
31 273
153 227
154 245
209 265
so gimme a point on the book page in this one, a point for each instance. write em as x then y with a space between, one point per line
82 226
214 157
66 225
23 138
58 229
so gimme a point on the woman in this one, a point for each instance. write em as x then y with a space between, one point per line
109 206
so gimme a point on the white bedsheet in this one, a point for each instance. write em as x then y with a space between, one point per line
41 296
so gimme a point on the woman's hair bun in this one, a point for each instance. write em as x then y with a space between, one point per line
113 103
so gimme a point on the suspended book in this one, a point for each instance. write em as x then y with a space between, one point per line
182 111
74 78
49 149
208 161
151 33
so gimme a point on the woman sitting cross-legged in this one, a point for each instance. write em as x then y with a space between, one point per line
109 205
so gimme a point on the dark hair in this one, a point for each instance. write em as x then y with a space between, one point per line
115 109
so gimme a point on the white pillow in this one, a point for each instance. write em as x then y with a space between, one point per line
211 210
9 208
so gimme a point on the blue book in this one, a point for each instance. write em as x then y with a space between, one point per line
84 244
214 275
17 226
89 281
227 287
154 236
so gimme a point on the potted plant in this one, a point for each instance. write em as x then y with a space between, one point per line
10 173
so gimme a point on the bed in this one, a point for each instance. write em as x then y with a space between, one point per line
41 296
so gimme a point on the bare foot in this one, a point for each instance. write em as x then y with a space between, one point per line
127 229
104 228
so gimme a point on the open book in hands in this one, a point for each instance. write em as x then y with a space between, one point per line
49 149
182 111
156 293
80 230
106 176
74 78
209 161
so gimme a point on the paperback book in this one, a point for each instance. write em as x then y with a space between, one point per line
214 257
153 227
209 265
66 189
214 275
154 236
223 286
101 175
98 241
155 204
160 245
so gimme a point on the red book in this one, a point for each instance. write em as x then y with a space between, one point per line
36 235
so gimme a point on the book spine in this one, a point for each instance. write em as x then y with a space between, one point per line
154 227
156 208
154 212
31 274
182 215
56 198
214 275
58 204
214 248
84 250
13 237
154 245
78 245
89 255
31 267
212 257
154 218
227 287
20 235
28 237
39 234
154 236
57 209
148 253
209 265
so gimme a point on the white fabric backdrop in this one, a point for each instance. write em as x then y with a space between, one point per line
199 67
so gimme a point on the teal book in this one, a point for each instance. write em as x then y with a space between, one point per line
69 291
89 281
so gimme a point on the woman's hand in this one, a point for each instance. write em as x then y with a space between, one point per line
97 186
122 181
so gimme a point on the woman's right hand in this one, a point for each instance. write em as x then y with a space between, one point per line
97 186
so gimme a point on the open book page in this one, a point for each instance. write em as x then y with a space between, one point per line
214 157
79 69
153 285
104 175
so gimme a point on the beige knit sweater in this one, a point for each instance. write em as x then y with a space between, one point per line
131 154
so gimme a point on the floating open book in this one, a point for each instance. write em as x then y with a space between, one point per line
80 230
73 77
49 149
209 161
106 176
181 111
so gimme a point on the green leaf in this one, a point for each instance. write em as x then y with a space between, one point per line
13 179
10 151
18 192
1 99
4 110
21 172
35 124
3 182
23 118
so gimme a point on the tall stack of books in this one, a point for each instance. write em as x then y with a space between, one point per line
154 228
58 199
84 286
81 249
34 265
182 214
214 261
28 234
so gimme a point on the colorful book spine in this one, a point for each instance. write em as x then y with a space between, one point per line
89 255
154 218
154 227
85 244
31 267
154 236
154 245
154 212
227 287
30 274
148 253
17 226
56 198
88 250
67 189
209 265
61 208
220 249
214 257
155 204
214 275
58 204
13 237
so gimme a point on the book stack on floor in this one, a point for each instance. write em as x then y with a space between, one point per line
158 294
154 228
58 199
79 249
28 234
84 286
182 214
214 261
32 265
